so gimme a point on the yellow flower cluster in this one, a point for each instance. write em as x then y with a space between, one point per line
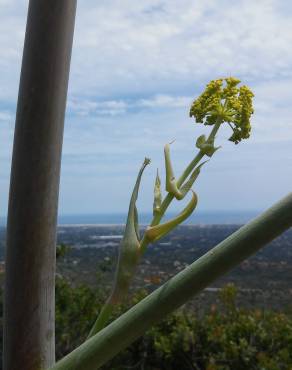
224 101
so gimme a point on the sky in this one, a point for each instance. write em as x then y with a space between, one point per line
136 68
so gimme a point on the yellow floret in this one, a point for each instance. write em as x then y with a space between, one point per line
223 100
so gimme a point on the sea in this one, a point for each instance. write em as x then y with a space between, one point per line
198 218
207 218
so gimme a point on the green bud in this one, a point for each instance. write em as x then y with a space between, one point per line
157 195
206 147
170 182
129 251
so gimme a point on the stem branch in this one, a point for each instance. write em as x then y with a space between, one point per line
169 197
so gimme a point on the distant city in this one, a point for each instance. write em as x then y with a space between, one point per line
263 280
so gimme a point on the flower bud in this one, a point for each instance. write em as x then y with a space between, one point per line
206 147
129 251
157 195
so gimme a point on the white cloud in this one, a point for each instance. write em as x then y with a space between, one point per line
85 107
165 101
6 116
159 47
166 45
136 67
273 119
12 28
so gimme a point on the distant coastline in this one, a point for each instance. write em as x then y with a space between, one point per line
208 218
203 218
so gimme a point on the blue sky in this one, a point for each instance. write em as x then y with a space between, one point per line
136 67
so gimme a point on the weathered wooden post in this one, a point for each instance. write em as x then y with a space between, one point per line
33 200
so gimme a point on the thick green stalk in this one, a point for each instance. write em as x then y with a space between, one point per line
29 293
99 349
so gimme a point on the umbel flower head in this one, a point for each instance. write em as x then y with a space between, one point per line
224 101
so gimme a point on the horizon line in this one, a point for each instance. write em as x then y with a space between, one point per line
148 212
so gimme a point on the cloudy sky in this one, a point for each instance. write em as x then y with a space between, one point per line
136 67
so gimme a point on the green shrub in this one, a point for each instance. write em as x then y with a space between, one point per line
225 338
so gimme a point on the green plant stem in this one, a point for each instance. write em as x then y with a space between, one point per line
106 311
102 318
99 349
169 197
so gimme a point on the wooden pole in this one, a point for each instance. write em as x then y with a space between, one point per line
29 340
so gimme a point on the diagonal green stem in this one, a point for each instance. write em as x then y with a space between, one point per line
246 241
102 318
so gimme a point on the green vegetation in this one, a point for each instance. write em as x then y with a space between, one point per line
225 338
62 250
